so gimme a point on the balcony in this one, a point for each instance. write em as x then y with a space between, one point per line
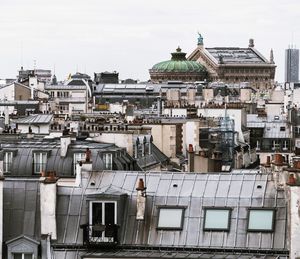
100 235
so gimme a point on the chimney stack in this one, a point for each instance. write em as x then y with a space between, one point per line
48 204
251 43
65 141
191 158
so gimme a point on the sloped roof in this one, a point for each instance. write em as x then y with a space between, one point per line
35 119
239 191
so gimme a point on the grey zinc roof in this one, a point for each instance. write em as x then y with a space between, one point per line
239 191
236 55
21 208
35 119
24 149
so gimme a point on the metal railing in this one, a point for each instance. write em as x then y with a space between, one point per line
100 234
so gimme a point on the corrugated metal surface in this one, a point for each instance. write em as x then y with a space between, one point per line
239 191
21 214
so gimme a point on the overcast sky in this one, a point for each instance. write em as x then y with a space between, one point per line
130 36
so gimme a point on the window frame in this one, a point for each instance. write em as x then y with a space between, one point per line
23 255
110 167
218 229
7 163
182 208
75 160
40 154
261 230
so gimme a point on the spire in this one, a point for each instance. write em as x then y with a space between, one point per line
200 39
271 57
251 43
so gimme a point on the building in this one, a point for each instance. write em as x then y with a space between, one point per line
245 214
43 75
236 64
71 97
29 157
177 69
291 65
106 78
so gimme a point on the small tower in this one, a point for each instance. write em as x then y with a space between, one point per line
251 43
271 57
200 39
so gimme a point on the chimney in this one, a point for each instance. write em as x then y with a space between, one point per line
65 141
294 214
278 159
268 163
191 158
251 43
140 200
78 174
48 204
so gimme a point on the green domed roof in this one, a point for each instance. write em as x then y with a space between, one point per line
178 63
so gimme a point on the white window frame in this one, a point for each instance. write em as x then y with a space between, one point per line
107 165
102 238
23 255
38 159
78 156
7 162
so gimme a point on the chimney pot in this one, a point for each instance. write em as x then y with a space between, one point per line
140 185
191 149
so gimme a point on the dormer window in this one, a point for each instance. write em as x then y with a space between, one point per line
7 163
102 221
76 158
39 162
107 160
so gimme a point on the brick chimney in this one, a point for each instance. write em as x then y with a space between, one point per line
191 158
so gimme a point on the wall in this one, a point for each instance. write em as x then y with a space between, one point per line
238 115
124 140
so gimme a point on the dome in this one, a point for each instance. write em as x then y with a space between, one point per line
178 64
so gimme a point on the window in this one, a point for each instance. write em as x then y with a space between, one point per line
261 220
107 159
282 128
23 256
103 219
170 218
39 162
7 163
217 219
77 157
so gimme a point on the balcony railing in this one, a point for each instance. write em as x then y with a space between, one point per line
100 234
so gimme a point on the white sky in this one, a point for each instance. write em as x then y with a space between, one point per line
130 36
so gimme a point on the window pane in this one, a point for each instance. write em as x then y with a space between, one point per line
217 219
17 256
260 220
170 218
27 256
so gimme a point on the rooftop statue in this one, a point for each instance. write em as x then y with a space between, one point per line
200 39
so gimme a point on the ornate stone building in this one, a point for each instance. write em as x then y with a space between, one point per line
178 69
236 65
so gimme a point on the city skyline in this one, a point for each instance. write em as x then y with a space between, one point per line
130 37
